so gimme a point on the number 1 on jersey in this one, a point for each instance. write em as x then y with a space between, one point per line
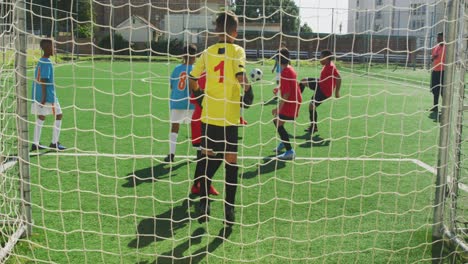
220 68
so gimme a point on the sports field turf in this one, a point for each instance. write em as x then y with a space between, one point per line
360 191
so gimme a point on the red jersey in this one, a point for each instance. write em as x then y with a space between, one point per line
289 85
196 116
328 77
439 52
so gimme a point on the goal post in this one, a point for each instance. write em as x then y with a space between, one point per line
15 211
449 233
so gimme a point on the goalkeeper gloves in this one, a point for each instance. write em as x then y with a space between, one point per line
248 98
199 94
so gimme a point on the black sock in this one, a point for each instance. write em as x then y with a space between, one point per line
231 183
313 116
211 166
200 168
284 137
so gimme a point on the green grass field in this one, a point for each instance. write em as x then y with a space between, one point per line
358 191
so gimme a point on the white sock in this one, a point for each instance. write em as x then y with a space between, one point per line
37 131
56 132
172 145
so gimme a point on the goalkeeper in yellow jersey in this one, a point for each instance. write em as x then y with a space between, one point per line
224 64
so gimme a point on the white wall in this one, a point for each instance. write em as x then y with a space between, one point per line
138 32
186 27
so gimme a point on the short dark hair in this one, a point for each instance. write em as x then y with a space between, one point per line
440 34
327 54
284 56
226 22
45 42
190 49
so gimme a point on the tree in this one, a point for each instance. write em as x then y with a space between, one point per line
47 14
285 12
306 28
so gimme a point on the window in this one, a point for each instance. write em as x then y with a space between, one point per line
357 3
377 27
418 9
417 24
378 14
378 2
357 15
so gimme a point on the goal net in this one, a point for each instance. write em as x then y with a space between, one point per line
380 177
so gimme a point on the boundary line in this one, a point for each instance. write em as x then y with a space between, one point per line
12 162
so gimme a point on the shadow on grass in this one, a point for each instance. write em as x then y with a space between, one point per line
151 174
271 101
270 164
162 226
314 141
176 254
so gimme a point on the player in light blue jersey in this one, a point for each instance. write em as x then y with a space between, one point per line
180 106
44 98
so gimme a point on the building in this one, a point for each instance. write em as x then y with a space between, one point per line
138 31
180 19
419 18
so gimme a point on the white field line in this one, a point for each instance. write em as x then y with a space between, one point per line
427 167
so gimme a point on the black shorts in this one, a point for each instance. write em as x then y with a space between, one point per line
318 96
285 118
219 138
437 80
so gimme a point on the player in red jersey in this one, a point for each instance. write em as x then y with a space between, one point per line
329 82
289 104
196 128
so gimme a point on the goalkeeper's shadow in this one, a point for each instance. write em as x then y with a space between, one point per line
150 174
162 226
176 254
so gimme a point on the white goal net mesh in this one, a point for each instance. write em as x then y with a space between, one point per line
360 189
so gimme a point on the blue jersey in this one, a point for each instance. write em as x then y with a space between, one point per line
180 92
44 71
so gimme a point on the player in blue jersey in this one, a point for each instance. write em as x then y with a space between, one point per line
44 98
181 108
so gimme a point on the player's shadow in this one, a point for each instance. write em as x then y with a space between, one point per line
42 153
435 116
151 174
314 141
176 254
271 101
269 164
162 226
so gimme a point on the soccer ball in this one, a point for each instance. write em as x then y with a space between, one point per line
256 75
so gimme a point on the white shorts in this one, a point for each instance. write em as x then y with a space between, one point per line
47 109
181 116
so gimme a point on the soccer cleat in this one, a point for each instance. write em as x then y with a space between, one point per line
35 147
57 146
213 191
229 215
169 158
279 148
433 109
242 121
196 190
288 155
203 212
311 129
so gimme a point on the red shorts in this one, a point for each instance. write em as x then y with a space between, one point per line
196 126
